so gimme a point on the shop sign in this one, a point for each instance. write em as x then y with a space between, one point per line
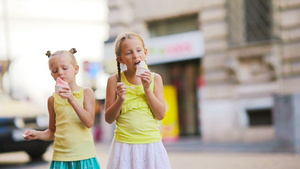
177 47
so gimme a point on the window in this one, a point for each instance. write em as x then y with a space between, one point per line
173 25
250 21
258 20
260 117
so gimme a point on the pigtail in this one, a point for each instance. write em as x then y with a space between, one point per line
48 53
119 71
73 50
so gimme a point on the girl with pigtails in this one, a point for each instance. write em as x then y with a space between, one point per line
71 116
136 104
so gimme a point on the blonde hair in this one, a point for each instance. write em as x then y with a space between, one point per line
123 36
70 53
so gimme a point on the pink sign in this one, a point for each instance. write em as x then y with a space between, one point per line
176 47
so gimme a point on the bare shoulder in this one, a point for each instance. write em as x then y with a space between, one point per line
51 99
113 77
157 77
112 80
88 90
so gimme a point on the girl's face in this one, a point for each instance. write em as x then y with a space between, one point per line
61 66
132 53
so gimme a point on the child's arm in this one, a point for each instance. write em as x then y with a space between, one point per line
156 98
86 113
113 104
48 134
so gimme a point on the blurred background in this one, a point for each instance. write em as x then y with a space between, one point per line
231 68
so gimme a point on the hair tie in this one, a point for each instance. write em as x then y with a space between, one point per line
73 50
48 53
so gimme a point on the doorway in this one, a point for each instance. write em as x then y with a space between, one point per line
184 77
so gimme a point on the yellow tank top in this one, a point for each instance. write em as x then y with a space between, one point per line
73 140
137 124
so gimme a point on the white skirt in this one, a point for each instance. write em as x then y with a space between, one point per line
138 156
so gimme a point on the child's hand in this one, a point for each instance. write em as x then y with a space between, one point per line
121 90
146 79
66 93
30 135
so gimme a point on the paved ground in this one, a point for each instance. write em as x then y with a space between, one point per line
186 155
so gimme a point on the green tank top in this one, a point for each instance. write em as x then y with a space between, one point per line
73 140
137 124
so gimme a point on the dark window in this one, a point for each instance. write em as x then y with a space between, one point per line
260 117
250 21
258 20
173 25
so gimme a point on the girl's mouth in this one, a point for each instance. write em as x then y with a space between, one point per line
137 63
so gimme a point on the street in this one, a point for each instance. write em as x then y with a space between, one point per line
179 159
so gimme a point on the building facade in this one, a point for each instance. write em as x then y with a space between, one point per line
250 54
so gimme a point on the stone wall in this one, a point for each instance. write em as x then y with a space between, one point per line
290 48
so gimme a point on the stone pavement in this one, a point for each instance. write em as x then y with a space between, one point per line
189 154
193 154
194 144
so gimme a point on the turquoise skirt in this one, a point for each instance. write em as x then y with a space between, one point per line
90 163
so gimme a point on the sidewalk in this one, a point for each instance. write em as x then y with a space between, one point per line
191 153
186 154
195 144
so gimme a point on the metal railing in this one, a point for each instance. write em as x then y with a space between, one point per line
250 21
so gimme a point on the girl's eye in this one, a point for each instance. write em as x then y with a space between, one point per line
65 68
128 53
